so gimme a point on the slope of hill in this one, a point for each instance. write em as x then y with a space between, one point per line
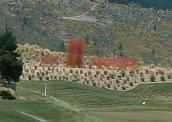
143 32
160 4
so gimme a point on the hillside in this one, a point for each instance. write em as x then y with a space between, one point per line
143 32
159 4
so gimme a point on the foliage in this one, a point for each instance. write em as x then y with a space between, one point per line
10 65
75 52
112 63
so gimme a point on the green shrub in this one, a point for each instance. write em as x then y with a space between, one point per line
87 81
108 77
131 83
71 70
119 76
81 72
112 76
117 81
40 77
97 72
55 77
123 73
108 85
123 87
94 84
141 74
105 72
124 81
89 72
30 77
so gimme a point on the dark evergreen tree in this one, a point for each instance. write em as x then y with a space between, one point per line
120 47
10 65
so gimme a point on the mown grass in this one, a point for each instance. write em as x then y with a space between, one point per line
90 97
68 101
39 108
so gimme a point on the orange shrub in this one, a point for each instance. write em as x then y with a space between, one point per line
47 60
112 63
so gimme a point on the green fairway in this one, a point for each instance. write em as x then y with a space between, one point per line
72 102
137 116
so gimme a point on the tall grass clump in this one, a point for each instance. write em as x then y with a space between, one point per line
162 78
152 78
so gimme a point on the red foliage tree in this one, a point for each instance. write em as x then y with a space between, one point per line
75 52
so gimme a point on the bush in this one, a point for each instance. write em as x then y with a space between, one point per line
95 76
105 72
123 73
108 85
124 81
47 77
162 78
169 75
89 72
112 76
108 77
55 77
103 86
117 81
94 84
30 77
142 79
87 81
141 74
146 71
81 72
152 78
35 67
131 83
131 72
137 71
123 87
157 73
97 72
71 70
40 77
115 88
127 78
83 82
119 76
161 71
